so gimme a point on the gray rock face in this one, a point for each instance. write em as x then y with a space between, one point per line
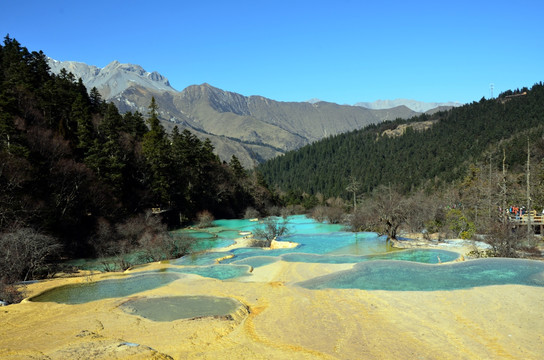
253 128
114 78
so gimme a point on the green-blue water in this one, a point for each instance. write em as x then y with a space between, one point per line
415 255
257 261
206 258
377 264
181 307
409 276
221 272
318 242
326 243
206 240
105 289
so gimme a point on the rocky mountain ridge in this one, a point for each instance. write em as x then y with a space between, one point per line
419 106
114 78
253 128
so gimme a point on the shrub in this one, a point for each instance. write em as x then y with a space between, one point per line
251 213
271 229
335 215
505 241
10 293
274 210
459 224
319 213
332 214
24 252
204 219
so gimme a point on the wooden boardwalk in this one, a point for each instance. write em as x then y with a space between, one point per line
533 219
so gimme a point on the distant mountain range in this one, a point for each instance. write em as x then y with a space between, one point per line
253 128
113 79
414 105
418 106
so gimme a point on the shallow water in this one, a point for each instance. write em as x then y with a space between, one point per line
221 272
296 224
207 258
325 243
415 255
206 240
409 276
316 242
181 307
378 266
105 289
257 261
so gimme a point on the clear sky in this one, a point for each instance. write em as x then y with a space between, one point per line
343 51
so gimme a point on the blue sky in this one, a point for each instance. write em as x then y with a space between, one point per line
343 51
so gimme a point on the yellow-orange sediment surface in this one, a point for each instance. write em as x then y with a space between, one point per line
285 322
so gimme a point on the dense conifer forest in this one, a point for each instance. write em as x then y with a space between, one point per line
428 159
73 169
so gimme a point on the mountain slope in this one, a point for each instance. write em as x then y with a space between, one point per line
434 153
114 78
253 128
230 134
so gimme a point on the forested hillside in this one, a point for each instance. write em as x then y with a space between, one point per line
253 128
73 169
430 158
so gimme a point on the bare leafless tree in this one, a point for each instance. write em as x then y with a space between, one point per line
23 252
383 213
204 219
353 187
271 228
505 240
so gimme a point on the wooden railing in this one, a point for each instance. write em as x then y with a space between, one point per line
524 219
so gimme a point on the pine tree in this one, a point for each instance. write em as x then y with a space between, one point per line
135 124
112 123
237 168
155 148
85 130
97 104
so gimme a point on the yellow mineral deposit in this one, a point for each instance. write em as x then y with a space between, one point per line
284 321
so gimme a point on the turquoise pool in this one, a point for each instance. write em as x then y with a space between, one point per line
377 266
105 289
415 255
257 261
409 276
181 307
322 243
221 272
206 240
318 243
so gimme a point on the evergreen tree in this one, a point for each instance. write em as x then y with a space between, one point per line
106 156
85 130
135 124
97 104
155 148
180 172
69 161
112 122
431 158
237 168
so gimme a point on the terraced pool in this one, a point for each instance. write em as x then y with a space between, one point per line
409 276
105 289
377 266
183 307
